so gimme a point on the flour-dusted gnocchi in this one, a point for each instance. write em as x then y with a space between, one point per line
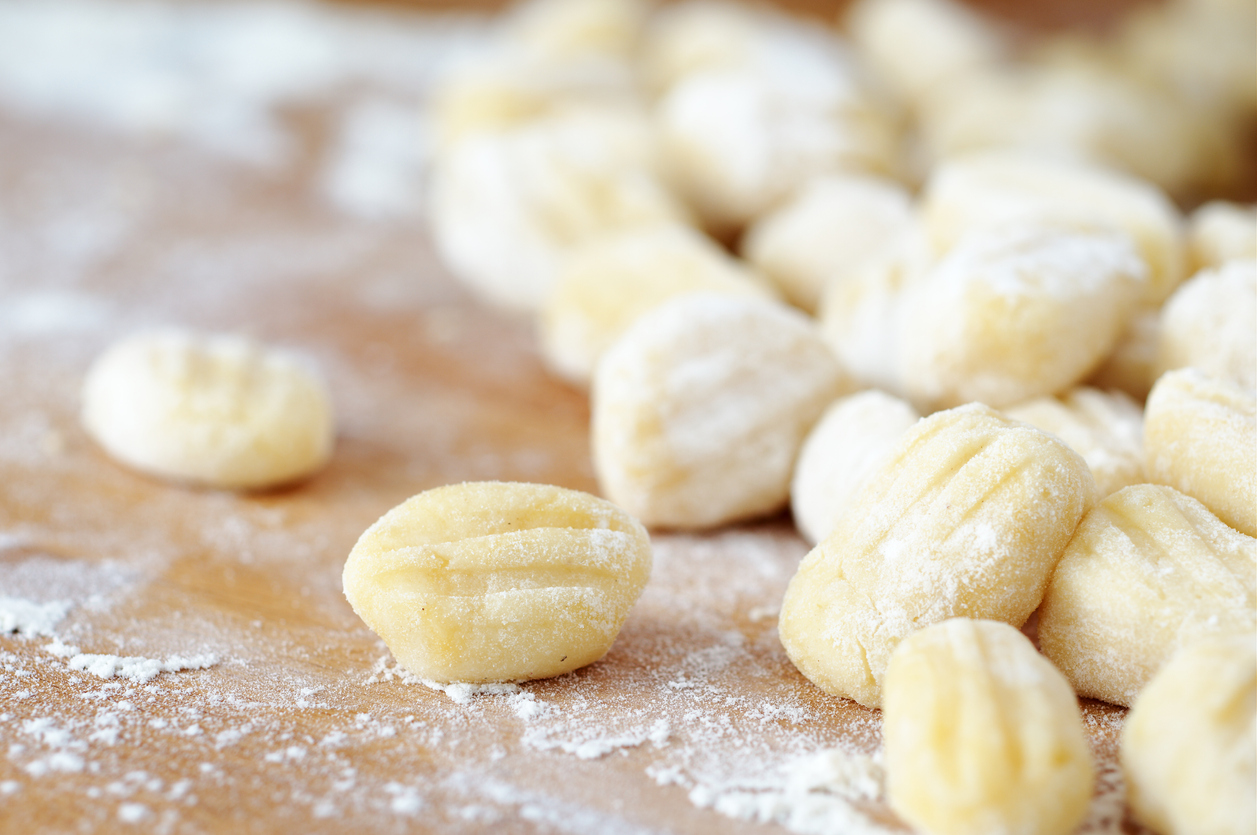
607 284
1189 744
508 206
983 734
700 407
1148 571
736 141
1220 231
1104 427
564 29
498 581
1131 367
1210 323
844 450
1016 311
219 411
919 48
1200 437
996 187
861 316
966 518
831 228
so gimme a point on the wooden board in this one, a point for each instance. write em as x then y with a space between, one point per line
303 723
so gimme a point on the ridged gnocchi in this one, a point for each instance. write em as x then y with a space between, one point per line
498 581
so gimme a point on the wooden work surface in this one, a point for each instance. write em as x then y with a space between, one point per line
303 723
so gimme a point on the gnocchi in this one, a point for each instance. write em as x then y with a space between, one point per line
966 518
498 581
983 734
220 411
1148 571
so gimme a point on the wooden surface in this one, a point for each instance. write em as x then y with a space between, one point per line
303 724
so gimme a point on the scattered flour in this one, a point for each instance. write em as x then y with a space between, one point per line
29 618
137 669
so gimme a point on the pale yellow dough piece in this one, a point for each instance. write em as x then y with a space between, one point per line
1015 312
493 90
1104 427
700 407
498 581
507 207
860 317
1189 745
564 29
1148 571
843 451
736 142
995 187
1210 323
831 227
921 47
983 735
967 518
1219 231
1132 364
607 284
1200 437
219 411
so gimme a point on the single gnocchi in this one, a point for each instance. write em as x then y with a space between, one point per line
1210 323
508 206
700 407
1105 428
736 142
1189 744
1016 312
827 232
607 284
844 450
997 187
498 581
220 411
1200 437
966 518
1219 231
1149 570
983 734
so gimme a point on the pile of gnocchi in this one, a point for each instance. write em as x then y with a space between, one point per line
927 284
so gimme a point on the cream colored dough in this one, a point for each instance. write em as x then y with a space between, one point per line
996 187
700 408
220 411
498 581
1219 231
842 452
1200 437
1104 427
966 518
507 207
1210 323
1189 745
1015 312
1148 571
983 735
827 232
606 285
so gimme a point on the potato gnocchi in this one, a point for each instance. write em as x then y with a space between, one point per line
983 734
498 581
967 518
220 411
1149 570
1189 744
